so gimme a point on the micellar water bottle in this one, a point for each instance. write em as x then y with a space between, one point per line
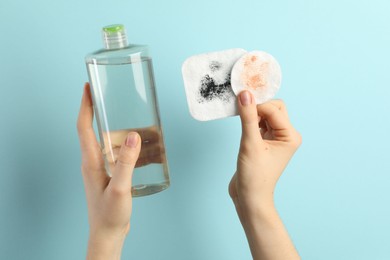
124 98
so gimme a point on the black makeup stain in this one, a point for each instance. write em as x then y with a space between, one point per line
209 90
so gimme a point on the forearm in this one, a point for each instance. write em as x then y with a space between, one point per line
267 236
104 248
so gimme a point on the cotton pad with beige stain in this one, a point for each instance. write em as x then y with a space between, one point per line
258 72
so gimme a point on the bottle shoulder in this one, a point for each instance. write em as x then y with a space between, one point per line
122 55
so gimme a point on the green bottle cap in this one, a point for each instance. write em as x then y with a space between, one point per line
114 28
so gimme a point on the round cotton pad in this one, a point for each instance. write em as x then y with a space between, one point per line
258 72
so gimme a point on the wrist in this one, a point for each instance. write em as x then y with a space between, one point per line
268 237
105 246
256 210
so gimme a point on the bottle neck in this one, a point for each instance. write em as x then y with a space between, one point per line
115 41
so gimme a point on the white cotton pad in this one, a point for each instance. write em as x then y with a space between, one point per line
207 84
258 72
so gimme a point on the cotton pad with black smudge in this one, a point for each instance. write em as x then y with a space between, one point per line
208 86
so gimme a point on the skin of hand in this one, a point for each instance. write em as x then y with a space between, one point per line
152 149
152 146
109 198
268 142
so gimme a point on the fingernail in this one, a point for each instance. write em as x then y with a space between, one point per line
245 98
132 140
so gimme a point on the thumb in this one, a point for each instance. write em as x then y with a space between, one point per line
249 118
122 176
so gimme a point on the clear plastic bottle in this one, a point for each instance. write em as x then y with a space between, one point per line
124 98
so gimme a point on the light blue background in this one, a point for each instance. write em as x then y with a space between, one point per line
335 195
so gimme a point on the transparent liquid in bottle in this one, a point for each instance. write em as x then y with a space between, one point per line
124 98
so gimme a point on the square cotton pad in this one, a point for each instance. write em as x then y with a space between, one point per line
207 84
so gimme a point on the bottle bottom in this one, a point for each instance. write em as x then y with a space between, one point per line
150 179
148 189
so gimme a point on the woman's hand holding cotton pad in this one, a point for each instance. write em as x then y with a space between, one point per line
213 79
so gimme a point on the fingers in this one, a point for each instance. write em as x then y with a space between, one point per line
149 134
249 117
92 160
86 133
151 153
275 123
127 158
280 105
275 114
